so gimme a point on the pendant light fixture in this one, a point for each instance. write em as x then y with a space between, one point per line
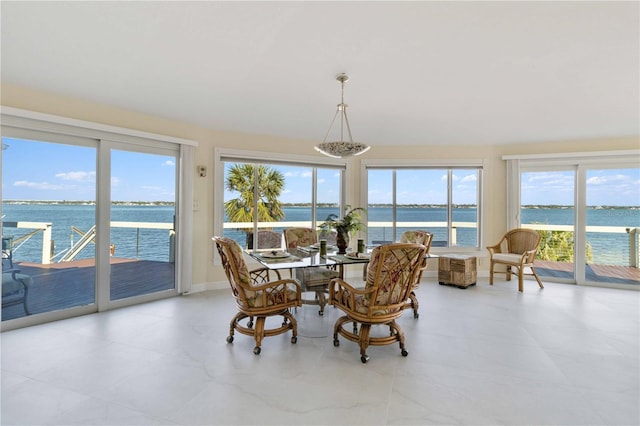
341 148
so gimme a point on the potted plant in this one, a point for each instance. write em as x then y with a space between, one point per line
350 222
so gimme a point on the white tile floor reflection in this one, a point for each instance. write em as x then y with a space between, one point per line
564 355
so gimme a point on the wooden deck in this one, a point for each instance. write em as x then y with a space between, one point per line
69 284
594 273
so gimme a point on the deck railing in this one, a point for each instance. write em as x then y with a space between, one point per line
634 233
48 254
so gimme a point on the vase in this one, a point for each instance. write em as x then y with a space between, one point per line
342 242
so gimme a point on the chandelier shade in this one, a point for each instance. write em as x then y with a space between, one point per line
341 148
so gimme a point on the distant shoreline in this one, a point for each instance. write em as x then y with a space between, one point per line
302 205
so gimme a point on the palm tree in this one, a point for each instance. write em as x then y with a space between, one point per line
270 184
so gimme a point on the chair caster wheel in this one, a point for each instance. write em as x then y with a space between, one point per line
364 359
229 339
416 316
404 352
321 313
336 342
294 340
256 350
250 324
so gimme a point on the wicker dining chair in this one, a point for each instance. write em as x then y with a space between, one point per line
516 249
257 296
390 276
417 237
312 279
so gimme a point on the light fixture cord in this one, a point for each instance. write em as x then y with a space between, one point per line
346 119
342 107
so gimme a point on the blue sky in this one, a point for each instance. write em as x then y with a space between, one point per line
605 187
46 171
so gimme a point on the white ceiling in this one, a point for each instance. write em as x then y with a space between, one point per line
420 72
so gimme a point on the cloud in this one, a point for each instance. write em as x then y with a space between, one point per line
611 179
169 163
37 185
77 176
298 173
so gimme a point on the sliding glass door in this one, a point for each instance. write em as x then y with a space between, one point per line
548 205
54 250
612 225
142 241
588 215
48 225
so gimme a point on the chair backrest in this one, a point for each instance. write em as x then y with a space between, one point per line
266 239
330 235
294 237
417 237
235 268
392 271
520 240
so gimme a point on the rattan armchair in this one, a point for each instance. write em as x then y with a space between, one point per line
257 296
390 276
314 279
516 249
417 237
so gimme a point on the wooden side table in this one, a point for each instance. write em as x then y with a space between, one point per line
457 269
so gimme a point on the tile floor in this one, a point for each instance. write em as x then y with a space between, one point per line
565 355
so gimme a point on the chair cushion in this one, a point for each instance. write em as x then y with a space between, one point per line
11 287
417 237
394 270
362 304
513 258
311 277
272 296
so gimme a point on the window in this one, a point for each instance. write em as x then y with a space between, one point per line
442 199
295 192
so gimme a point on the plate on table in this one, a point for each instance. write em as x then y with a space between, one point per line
358 256
275 254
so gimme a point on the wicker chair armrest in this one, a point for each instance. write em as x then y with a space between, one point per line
275 284
423 266
494 249
279 286
339 286
529 256
262 275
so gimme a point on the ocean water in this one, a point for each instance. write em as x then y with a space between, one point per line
608 248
